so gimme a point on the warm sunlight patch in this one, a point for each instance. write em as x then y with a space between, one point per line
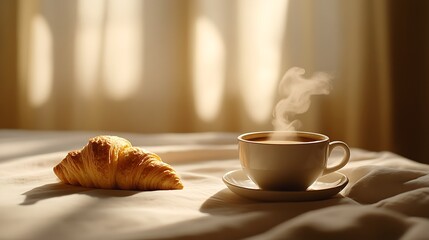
209 68
40 69
122 60
88 44
261 28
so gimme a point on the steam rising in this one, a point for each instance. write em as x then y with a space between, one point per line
296 92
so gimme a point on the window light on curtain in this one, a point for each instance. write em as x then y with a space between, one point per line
207 65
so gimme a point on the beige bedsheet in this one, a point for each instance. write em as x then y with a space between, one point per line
387 197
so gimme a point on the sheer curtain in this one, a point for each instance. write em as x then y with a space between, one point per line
151 66
209 65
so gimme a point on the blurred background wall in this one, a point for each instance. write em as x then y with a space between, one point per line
214 65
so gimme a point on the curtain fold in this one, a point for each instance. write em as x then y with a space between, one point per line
207 65
8 64
409 37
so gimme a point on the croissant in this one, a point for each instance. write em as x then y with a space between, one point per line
111 162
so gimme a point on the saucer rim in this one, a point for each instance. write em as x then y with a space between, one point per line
306 195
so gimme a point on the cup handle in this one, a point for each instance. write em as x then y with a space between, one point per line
345 159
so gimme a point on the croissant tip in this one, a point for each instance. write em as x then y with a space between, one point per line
179 186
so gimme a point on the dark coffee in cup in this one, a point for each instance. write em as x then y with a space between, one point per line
273 139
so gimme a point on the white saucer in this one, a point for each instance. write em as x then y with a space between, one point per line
325 187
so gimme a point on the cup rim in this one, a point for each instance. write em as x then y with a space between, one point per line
323 137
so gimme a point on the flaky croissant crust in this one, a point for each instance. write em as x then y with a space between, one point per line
111 162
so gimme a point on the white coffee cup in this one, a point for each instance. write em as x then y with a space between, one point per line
289 160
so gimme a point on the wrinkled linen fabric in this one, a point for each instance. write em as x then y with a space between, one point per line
387 196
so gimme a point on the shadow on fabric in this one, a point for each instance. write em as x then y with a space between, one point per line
229 216
54 190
